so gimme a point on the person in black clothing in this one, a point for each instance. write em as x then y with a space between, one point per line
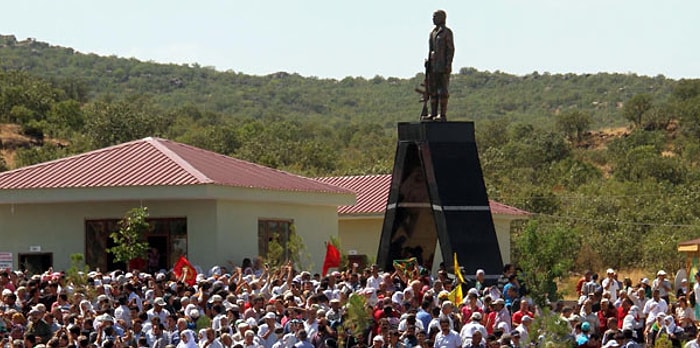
508 270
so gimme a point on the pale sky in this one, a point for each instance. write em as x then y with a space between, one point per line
335 39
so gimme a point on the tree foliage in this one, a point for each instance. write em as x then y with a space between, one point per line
636 108
546 251
129 241
282 249
573 123
548 143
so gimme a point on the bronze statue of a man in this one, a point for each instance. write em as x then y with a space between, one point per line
439 65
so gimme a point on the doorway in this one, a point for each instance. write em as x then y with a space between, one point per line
157 254
35 263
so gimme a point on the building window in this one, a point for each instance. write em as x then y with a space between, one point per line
273 236
167 238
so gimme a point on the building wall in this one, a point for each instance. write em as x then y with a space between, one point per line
362 234
59 228
238 228
502 226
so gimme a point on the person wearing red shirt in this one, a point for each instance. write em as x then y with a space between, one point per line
585 279
523 311
470 307
622 311
607 310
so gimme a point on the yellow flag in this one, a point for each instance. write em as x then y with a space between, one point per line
458 273
456 295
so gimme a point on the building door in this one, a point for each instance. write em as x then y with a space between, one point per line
158 254
35 263
167 238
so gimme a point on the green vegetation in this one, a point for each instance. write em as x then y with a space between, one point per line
600 197
129 241
77 275
290 248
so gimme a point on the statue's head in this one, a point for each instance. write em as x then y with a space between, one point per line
439 17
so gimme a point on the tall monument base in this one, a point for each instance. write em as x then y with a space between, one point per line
438 193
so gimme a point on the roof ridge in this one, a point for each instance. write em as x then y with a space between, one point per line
352 176
79 155
257 165
181 162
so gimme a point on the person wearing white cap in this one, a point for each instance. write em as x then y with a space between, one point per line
471 327
266 331
683 290
662 284
37 326
502 317
250 340
524 329
377 341
158 310
610 284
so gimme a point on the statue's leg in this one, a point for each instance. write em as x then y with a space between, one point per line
443 109
442 95
433 107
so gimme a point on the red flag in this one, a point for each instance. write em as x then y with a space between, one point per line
332 258
184 271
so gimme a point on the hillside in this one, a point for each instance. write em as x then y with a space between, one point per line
609 164
476 95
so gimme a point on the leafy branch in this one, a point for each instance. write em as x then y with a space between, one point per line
128 239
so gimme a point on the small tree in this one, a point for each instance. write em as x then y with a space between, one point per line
357 319
551 331
128 239
77 275
635 108
573 124
279 250
545 252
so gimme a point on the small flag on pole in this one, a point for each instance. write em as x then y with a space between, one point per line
456 295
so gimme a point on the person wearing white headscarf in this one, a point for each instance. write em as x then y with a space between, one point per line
187 339
86 309
633 322
671 330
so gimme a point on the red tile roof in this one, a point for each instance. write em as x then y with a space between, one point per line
156 162
373 192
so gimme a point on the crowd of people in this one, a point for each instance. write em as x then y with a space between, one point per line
260 307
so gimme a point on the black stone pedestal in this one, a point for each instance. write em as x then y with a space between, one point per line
438 192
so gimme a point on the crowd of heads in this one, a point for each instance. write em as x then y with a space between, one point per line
282 307
614 312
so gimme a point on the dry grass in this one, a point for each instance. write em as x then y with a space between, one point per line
567 286
12 139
